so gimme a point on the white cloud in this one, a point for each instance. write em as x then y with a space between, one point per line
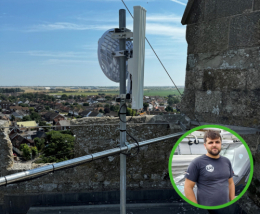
67 26
165 30
164 53
89 47
155 26
163 18
179 2
68 54
68 61
97 19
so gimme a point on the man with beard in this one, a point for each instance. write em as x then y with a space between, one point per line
212 173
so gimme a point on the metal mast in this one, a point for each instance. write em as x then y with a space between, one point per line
122 69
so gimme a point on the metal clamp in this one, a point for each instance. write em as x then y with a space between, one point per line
122 29
120 34
128 54
124 35
128 147
119 53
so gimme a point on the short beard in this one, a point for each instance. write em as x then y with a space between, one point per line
214 154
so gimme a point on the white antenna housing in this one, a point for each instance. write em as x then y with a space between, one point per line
136 64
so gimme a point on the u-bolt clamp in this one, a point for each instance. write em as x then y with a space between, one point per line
128 147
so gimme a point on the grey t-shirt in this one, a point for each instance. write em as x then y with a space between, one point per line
211 176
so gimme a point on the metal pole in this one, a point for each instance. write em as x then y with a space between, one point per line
33 173
122 69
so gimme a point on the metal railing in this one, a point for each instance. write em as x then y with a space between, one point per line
5 180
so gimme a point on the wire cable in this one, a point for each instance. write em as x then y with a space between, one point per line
154 51
136 143
119 112
162 63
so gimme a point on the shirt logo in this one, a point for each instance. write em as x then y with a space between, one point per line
209 168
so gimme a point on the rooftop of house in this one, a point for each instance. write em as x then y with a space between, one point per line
19 108
64 122
27 124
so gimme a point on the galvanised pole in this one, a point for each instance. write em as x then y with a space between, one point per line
34 173
122 69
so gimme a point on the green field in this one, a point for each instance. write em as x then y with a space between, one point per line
87 93
147 92
162 92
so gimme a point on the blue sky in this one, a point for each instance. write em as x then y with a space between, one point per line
54 42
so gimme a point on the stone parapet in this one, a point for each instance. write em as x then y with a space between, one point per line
146 171
6 152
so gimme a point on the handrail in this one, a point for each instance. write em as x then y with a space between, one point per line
5 180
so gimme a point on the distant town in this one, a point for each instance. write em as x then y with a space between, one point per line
40 117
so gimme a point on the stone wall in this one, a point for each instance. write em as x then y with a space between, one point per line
6 152
222 75
146 171
223 71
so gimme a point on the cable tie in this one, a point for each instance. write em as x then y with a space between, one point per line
122 130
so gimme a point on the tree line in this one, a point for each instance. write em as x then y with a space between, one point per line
10 90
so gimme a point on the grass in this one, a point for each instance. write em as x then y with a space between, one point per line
162 92
87 93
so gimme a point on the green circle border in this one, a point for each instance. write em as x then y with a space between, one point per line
223 205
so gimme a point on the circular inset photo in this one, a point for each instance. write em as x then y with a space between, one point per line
211 167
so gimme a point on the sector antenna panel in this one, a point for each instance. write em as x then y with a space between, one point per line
109 64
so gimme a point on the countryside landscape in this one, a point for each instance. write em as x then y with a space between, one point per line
41 115
95 90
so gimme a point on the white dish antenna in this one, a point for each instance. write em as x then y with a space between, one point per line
109 64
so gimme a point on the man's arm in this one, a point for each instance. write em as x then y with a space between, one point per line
188 190
231 189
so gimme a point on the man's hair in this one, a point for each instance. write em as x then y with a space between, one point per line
211 134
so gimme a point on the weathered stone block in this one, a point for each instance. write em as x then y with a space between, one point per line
215 9
196 13
256 4
245 30
188 102
243 58
193 80
241 107
224 80
209 101
208 36
235 107
244 63
6 157
253 78
191 61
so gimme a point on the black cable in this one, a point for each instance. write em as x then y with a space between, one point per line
119 112
138 146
